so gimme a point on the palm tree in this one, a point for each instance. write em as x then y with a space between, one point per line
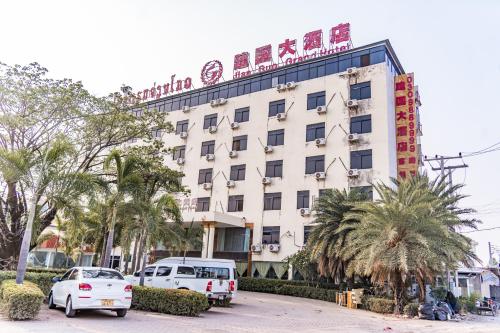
188 238
327 239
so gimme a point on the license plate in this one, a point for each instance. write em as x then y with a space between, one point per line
221 298
107 302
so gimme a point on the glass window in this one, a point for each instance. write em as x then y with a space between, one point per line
377 57
203 97
266 83
242 115
179 152
207 147
235 203
101 274
205 176
315 164
182 126
73 275
361 91
255 85
272 201
274 168
332 66
366 190
210 120
185 270
276 107
361 159
361 124
307 232
176 104
302 199
303 73
212 273
276 138
233 90
344 62
271 235
240 143
148 271
315 100
365 60
237 172
315 131
66 275
163 271
203 204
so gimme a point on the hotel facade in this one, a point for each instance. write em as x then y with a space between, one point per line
258 150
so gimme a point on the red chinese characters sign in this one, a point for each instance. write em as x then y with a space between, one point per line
406 126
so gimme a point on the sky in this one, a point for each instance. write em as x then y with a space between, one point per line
453 47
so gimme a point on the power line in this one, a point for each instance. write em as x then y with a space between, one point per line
485 229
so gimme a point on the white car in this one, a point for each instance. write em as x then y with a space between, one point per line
91 288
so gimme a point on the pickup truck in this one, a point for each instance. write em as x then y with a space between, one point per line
178 276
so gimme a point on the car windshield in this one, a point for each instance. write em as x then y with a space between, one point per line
101 274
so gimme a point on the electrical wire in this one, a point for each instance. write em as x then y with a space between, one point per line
485 229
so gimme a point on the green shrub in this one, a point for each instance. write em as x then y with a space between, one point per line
379 305
439 293
270 285
54 271
468 304
170 301
411 310
42 280
21 301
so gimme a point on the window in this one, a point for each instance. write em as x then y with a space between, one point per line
315 100
148 271
179 152
101 274
361 91
74 275
365 60
276 138
274 168
207 147
307 232
182 126
212 273
163 271
66 275
362 124
240 142
322 192
271 235
272 201
241 115
276 107
302 199
366 190
205 176
210 120
203 204
237 172
361 159
185 270
315 131
315 164
235 203
156 132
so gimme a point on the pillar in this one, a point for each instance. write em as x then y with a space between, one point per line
290 272
204 249
211 240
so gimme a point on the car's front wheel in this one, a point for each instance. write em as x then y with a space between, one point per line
52 305
69 311
121 312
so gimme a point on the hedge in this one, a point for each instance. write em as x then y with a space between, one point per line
20 302
42 280
170 301
411 310
379 305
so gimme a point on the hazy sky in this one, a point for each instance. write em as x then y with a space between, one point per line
452 46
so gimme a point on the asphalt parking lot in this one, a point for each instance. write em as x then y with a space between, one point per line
252 312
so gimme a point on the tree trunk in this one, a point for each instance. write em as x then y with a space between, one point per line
25 245
134 254
144 257
109 242
421 289
398 294
103 250
139 255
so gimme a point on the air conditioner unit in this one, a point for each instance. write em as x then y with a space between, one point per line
319 175
210 157
230 183
281 87
291 85
268 149
353 137
321 109
274 247
256 248
320 142
352 71
186 108
233 153
221 101
207 186
266 180
181 161
281 116
213 103
212 129
235 125
352 103
183 135
353 173
305 212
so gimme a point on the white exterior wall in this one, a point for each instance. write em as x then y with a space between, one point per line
293 152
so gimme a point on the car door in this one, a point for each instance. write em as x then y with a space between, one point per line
163 277
70 285
148 276
58 291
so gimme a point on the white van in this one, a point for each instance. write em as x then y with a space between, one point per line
222 270
170 276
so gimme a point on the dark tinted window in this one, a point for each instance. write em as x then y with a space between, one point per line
276 107
271 235
302 199
361 159
272 201
315 100
235 203
203 204
207 147
210 120
241 115
179 151
205 176
240 142
185 270
163 271
307 231
315 131
315 164
362 124
361 91
276 138
366 190
212 273
182 126
237 172
148 271
274 168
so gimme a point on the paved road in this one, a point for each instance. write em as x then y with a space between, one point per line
252 312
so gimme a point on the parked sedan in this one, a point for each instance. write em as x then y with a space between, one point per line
91 288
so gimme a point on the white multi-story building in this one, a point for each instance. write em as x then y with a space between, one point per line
257 151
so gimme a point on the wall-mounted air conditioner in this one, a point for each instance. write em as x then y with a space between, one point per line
305 212
233 153
212 129
210 157
320 142
353 137
266 180
353 173
230 183
207 186
235 125
281 116
183 135
321 109
352 103
274 247
181 161
268 149
319 175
